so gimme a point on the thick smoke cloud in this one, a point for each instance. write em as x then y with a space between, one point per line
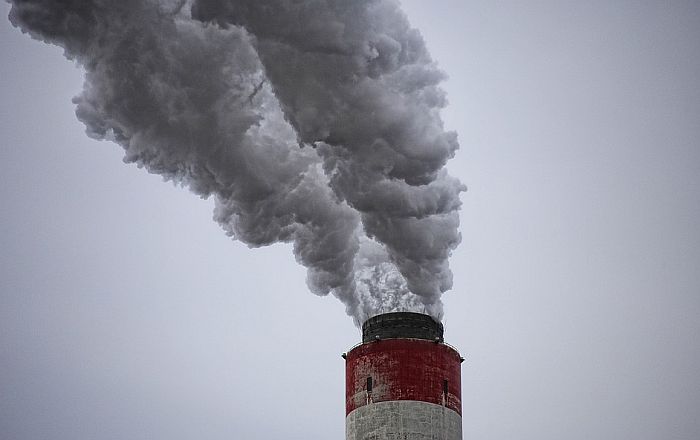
310 122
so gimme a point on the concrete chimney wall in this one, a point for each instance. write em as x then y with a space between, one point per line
403 381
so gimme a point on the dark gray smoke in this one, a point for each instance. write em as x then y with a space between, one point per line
313 122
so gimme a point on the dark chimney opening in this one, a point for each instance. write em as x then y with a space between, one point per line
402 325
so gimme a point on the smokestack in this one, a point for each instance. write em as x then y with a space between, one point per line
403 381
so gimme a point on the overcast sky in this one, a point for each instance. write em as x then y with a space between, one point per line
126 313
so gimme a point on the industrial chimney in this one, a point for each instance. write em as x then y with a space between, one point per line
403 381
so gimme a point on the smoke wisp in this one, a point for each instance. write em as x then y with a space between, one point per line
312 122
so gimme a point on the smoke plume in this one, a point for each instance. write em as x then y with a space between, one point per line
313 122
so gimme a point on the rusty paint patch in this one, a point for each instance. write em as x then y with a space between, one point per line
403 369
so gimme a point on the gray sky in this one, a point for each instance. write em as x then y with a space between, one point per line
125 312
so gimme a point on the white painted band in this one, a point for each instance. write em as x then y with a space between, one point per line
405 420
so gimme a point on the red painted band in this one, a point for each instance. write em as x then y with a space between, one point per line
403 369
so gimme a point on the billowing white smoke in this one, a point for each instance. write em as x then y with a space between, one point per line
313 122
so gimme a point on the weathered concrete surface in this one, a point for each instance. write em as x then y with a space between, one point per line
403 369
403 420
